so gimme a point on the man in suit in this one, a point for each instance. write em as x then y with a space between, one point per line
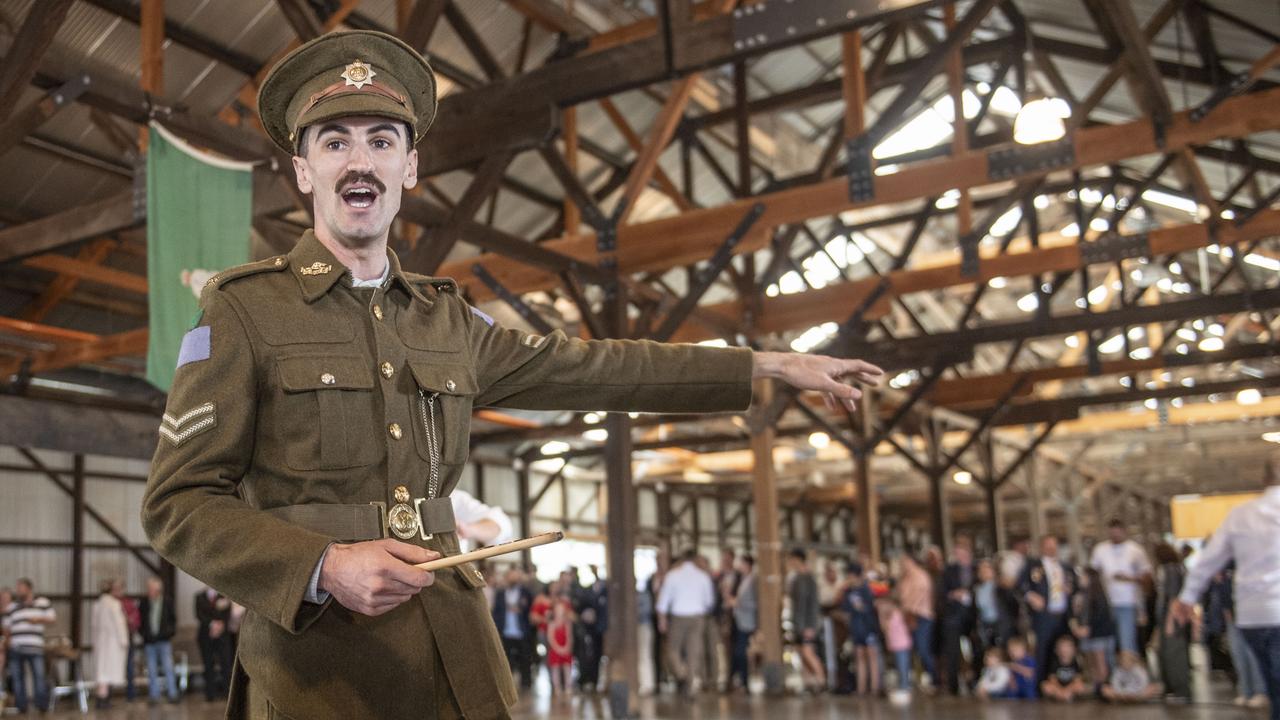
511 615
159 623
1046 586
213 611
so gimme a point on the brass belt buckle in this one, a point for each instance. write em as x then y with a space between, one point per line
417 513
401 518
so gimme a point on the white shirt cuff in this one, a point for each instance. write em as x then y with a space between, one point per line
315 595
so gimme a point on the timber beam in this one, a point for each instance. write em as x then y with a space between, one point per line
692 236
832 303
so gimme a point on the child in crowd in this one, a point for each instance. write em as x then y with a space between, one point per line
997 679
897 638
560 648
1065 681
1130 682
864 628
1023 666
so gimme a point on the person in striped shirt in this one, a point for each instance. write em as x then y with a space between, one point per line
24 624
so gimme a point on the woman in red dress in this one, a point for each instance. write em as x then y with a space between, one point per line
560 648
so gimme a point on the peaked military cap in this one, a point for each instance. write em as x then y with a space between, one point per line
340 74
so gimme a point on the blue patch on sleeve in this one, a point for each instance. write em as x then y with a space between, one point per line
195 346
481 314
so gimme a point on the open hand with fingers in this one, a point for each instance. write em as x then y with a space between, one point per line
375 577
836 378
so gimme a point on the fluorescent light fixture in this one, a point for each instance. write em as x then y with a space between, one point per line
819 440
791 283
1040 121
1072 230
1028 302
1042 202
1097 295
1177 202
555 447
1151 403
962 477
1262 261
998 282
1249 396
715 342
1271 437
1212 344
591 418
813 337
1113 344
596 434
1142 353
1072 341
1217 329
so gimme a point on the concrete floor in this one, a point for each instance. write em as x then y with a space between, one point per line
739 707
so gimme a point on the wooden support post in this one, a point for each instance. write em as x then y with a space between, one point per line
621 644
479 485
522 502
939 520
572 213
1035 509
868 525
991 491
722 530
742 127
152 60
77 550
960 134
853 84
769 575
1072 505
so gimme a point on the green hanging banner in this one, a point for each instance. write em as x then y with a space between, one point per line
199 210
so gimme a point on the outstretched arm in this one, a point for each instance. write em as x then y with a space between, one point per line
828 375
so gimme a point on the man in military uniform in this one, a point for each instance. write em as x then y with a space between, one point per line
320 412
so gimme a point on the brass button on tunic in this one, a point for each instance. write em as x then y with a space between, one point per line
293 414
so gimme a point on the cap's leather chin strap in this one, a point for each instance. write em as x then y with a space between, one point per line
342 88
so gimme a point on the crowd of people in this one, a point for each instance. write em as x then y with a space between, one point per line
126 633
1016 626
1117 626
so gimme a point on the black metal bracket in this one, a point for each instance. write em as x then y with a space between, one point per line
786 21
1113 247
520 306
862 178
970 257
707 274
1013 161
1160 130
1238 84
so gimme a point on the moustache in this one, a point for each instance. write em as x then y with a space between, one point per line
351 178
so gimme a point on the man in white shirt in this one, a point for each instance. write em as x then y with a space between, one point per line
1250 535
1124 567
479 523
686 597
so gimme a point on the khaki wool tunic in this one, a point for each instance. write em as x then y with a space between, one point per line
306 391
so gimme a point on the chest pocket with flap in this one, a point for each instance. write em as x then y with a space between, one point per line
442 409
328 412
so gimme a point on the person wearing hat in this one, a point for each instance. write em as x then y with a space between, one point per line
320 417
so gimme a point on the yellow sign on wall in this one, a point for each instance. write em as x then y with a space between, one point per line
1198 516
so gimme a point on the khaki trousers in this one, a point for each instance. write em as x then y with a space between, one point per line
685 640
